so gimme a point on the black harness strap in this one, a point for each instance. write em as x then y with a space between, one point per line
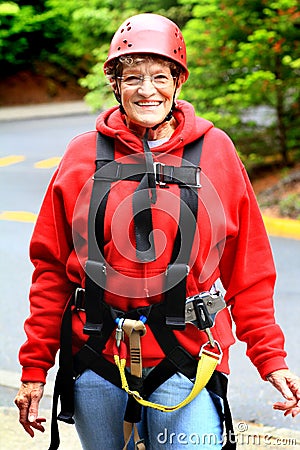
178 268
64 382
95 266
116 171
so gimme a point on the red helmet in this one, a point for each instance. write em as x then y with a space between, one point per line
150 34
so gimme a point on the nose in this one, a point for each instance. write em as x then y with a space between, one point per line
146 87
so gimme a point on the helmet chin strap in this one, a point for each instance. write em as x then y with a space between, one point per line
166 119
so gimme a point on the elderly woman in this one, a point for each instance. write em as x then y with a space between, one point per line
127 254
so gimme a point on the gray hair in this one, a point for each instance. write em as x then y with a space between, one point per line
115 68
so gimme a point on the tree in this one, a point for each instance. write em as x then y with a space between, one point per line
28 32
72 37
242 55
246 54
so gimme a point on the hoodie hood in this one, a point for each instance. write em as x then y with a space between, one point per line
190 127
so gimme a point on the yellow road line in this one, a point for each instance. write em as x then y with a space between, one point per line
48 163
282 227
11 159
18 216
275 227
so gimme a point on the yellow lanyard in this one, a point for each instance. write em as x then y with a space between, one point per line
207 363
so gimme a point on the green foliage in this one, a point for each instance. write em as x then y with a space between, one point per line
290 206
245 54
26 34
242 55
89 24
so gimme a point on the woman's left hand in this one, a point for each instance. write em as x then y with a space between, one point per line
288 384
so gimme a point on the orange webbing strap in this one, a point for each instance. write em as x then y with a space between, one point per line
134 329
138 442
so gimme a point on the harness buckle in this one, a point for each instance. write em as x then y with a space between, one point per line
137 443
159 173
79 299
198 178
119 332
212 301
210 353
197 184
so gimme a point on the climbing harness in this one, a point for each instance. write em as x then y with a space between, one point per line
102 320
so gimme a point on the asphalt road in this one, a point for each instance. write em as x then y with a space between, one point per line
22 189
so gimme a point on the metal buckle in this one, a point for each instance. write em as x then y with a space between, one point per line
198 178
213 354
187 270
198 184
194 184
159 173
137 443
79 299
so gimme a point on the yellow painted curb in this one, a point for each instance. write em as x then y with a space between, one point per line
282 227
18 216
275 227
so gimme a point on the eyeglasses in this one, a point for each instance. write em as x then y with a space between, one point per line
160 80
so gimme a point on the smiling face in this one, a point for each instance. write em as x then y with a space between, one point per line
147 91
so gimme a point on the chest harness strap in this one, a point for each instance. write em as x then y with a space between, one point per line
162 318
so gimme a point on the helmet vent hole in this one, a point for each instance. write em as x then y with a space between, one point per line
130 45
122 31
175 51
125 41
119 48
128 28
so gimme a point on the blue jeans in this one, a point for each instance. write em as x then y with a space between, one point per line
100 407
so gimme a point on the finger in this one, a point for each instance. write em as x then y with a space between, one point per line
283 406
295 411
41 419
28 429
37 425
289 408
23 405
34 406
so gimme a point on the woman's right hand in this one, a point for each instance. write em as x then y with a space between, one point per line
27 400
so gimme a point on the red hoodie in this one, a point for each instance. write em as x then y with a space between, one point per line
230 244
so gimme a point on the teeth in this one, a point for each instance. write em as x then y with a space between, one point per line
148 103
